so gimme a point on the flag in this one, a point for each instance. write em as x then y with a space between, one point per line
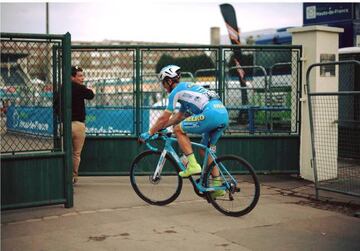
228 13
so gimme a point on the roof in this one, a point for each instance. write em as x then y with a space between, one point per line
11 56
349 50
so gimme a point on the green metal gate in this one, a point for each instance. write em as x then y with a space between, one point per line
265 129
36 163
36 146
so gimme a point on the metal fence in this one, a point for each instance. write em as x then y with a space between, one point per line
335 129
36 166
129 97
31 72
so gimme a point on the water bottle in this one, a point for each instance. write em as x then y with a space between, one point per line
184 160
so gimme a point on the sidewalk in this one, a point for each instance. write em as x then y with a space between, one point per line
108 215
295 187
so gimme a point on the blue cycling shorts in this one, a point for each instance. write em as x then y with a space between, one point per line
211 123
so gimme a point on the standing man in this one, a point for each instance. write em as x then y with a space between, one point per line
79 93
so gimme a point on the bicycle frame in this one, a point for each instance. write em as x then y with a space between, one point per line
168 148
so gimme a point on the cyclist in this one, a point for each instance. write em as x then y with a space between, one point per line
201 112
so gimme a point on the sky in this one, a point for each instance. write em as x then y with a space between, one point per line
147 21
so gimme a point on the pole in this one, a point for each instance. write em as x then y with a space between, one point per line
47 17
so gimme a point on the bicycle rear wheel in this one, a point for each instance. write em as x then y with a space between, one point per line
244 191
160 191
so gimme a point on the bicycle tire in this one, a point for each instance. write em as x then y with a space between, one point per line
247 188
162 191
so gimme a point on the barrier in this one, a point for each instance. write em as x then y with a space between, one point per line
335 126
99 121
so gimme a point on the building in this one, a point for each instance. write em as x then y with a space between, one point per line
342 15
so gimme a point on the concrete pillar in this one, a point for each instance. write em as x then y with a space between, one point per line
319 44
215 36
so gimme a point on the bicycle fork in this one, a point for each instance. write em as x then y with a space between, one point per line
159 167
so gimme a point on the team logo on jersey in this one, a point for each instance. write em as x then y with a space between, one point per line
187 95
188 125
218 106
195 118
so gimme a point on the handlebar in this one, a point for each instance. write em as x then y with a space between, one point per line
148 145
163 135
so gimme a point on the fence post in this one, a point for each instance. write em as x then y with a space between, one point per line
221 68
137 91
66 64
55 99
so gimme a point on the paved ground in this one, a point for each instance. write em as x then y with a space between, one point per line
108 215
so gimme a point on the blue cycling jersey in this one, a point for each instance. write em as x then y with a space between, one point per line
208 116
192 98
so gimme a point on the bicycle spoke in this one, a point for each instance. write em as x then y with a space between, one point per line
243 192
160 191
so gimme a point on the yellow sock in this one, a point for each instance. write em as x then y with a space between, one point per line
192 159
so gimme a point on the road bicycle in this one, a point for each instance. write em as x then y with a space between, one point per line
154 177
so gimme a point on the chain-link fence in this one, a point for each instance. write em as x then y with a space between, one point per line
191 60
30 74
111 75
269 100
335 127
36 164
129 97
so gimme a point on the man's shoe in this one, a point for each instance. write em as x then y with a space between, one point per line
74 180
190 170
218 193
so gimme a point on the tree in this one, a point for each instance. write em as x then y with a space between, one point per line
187 64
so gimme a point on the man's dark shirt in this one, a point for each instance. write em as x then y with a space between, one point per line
79 93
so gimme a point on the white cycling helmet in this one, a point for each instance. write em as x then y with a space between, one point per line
170 71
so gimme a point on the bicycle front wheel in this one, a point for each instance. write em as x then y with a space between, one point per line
243 192
160 190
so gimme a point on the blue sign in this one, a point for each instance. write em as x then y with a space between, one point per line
31 120
315 13
103 121
110 121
